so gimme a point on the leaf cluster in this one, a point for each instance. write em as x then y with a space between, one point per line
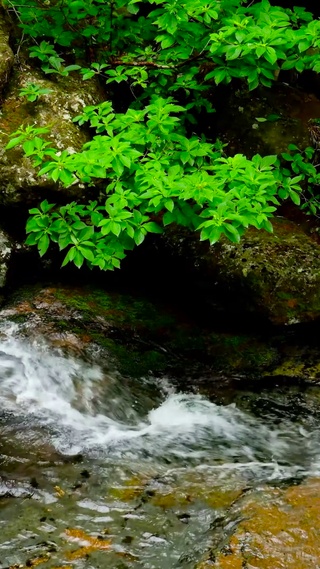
155 168
155 176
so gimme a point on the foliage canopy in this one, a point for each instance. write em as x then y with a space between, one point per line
165 58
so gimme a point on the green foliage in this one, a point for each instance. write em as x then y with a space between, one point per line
32 92
301 162
156 176
173 45
155 168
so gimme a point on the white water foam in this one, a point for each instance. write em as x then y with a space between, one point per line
63 395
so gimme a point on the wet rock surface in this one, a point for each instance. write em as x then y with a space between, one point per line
7 247
273 528
142 337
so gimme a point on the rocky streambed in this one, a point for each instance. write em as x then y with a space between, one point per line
122 446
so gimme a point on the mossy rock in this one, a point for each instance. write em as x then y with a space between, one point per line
6 53
274 277
277 529
20 184
7 250
141 336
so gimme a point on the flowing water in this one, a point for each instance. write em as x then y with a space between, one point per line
105 471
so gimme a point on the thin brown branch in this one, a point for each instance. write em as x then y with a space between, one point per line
154 64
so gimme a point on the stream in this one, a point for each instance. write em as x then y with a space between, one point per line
99 470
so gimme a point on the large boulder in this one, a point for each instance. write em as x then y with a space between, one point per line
19 182
275 276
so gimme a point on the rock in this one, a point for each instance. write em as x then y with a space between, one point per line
140 336
6 53
19 182
276 529
275 276
284 110
6 251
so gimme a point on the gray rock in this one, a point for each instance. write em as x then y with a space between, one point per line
6 251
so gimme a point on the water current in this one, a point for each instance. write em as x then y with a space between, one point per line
105 471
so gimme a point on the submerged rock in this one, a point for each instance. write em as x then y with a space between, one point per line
19 182
277 529
275 277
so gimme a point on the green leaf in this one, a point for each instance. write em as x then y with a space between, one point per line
270 55
87 253
32 239
267 225
168 41
138 237
231 232
64 241
152 227
169 204
43 244
295 197
86 233
14 142
168 218
33 225
268 161
212 234
273 118
69 256
78 259
233 52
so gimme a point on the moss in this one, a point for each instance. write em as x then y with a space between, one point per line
216 498
130 361
298 368
241 352
132 489
139 336
279 529
118 309
19 318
